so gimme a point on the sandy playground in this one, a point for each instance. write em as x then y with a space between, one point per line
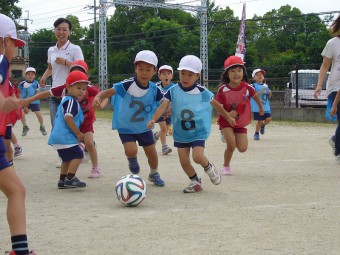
283 198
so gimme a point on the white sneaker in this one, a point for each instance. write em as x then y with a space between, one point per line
214 175
194 186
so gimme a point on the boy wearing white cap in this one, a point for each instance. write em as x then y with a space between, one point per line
191 106
28 88
263 93
10 183
165 74
134 104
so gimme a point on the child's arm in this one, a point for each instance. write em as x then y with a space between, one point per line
70 123
160 110
258 101
335 104
98 99
9 104
223 112
37 96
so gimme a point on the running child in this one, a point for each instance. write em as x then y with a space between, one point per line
134 104
10 183
264 93
234 94
165 74
191 106
89 116
28 88
66 136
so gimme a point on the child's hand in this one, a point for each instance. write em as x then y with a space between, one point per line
25 103
231 121
9 104
150 124
80 137
26 110
96 103
333 111
233 114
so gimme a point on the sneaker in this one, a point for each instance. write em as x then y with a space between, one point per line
256 136
331 142
222 137
95 173
61 184
17 151
156 136
25 129
213 174
74 183
166 150
156 179
225 170
13 253
262 129
194 186
42 130
134 166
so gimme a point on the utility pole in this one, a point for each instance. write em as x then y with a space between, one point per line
95 44
105 4
24 35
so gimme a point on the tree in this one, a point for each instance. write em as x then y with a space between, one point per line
9 8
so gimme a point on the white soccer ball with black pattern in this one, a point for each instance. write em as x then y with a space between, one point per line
131 190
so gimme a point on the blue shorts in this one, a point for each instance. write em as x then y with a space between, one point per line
71 153
34 107
167 120
193 144
257 116
3 161
143 139
8 133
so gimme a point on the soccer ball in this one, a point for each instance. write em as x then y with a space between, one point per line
131 190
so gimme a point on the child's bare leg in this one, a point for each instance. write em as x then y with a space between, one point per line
162 132
9 150
39 117
241 142
73 166
258 125
14 139
23 119
184 159
15 192
91 148
131 150
151 153
231 145
267 120
198 156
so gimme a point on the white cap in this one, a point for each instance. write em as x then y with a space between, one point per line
165 67
30 69
8 29
190 63
258 70
147 56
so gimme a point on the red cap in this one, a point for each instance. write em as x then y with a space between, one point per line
80 63
76 76
233 61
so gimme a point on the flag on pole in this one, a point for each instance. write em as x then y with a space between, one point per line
241 40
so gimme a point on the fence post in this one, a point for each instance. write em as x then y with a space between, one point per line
296 86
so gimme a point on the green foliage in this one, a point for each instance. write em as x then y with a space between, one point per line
9 8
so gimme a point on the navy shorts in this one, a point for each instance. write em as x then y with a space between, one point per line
143 139
34 107
3 161
193 144
8 133
257 116
71 153
167 120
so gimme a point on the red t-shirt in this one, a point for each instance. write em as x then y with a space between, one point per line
85 102
237 99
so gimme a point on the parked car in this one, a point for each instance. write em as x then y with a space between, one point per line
305 84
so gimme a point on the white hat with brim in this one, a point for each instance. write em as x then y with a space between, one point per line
8 29
147 56
258 70
190 63
166 67
30 69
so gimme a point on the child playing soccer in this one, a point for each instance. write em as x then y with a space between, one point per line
89 117
10 183
29 88
264 93
234 94
191 106
165 74
66 136
134 103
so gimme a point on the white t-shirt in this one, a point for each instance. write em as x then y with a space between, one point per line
71 53
332 51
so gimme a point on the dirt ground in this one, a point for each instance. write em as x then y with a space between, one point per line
283 198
